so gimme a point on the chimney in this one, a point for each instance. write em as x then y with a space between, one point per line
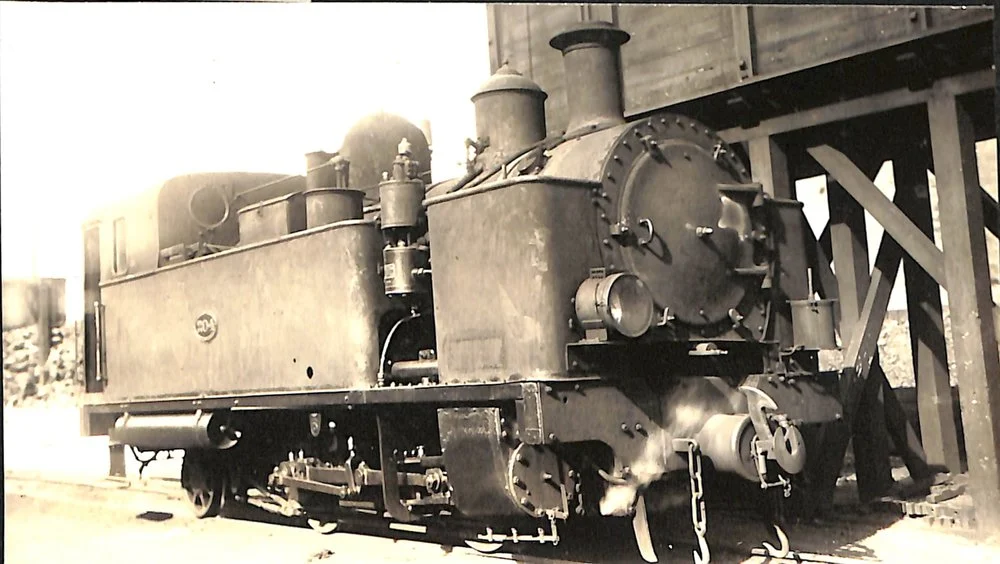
593 84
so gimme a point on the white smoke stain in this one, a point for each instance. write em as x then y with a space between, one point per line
689 409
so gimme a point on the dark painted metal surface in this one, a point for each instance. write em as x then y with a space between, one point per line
476 456
668 179
591 53
968 278
481 393
806 399
91 297
272 218
528 259
330 205
302 314
177 207
206 430
510 115
388 446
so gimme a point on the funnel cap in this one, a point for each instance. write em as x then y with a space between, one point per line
602 33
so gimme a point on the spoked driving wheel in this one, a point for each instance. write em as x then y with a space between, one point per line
203 483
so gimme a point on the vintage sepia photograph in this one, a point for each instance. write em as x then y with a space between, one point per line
302 282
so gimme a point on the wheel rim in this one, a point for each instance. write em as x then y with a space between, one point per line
484 547
202 499
203 490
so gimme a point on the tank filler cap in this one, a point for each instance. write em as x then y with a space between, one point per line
588 33
507 79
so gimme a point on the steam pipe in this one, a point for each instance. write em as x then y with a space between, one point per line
413 369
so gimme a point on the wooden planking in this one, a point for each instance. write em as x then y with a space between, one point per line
547 63
682 52
950 17
791 38
525 31
691 51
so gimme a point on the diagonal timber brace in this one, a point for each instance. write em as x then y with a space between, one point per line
895 222
864 339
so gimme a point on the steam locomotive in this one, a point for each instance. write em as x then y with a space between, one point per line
580 315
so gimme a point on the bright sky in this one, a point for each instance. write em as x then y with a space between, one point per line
100 101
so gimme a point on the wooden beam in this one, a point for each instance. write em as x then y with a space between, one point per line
889 216
910 447
973 330
868 105
870 439
495 40
769 166
849 242
824 240
926 322
919 247
991 213
863 344
743 35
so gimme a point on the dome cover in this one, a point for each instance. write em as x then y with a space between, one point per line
372 144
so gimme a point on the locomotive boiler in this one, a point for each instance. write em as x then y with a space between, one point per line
580 315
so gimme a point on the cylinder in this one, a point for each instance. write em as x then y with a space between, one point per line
593 82
813 325
330 205
401 202
317 175
726 440
510 114
399 275
168 432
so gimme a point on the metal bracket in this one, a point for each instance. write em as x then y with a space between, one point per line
390 481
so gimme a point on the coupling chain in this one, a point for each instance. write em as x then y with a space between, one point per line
699 518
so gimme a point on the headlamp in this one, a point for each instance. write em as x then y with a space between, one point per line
621 302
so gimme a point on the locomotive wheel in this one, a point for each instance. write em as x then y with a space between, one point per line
203 485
